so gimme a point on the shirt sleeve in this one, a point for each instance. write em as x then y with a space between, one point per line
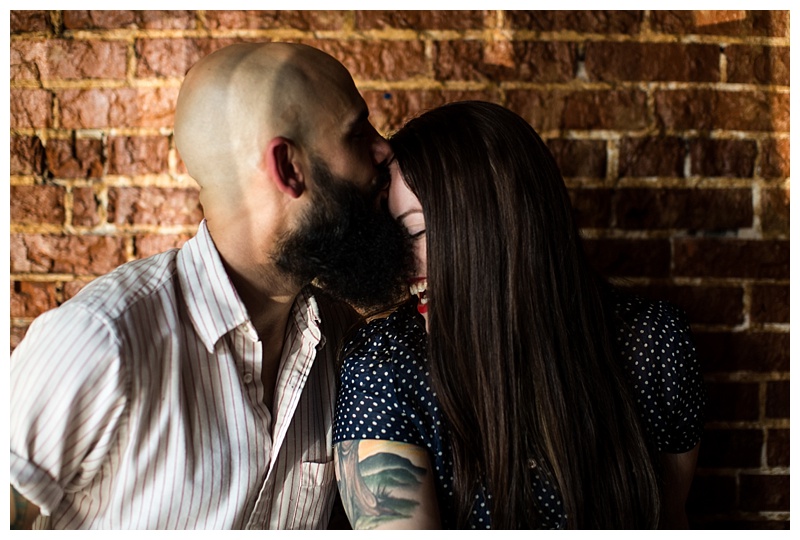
373 402
68 392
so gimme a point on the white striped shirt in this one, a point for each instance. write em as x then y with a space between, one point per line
138 404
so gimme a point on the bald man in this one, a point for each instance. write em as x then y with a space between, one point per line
195 389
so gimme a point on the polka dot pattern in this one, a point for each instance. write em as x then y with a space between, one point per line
385 393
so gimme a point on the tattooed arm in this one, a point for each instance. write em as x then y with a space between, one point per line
23 512
386 485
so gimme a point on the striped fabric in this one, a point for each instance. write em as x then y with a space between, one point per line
138 404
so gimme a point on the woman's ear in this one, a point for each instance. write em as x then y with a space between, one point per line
281 161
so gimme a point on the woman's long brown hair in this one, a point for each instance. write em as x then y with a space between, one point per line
519 334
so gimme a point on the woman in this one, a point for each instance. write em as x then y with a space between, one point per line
540 396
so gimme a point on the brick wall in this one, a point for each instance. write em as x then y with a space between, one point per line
671 128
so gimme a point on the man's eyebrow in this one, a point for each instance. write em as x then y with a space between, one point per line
358 120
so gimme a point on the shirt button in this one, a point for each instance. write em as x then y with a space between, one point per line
247 378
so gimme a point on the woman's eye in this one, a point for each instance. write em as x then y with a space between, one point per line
416 235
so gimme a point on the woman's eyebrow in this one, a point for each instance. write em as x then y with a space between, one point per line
407 213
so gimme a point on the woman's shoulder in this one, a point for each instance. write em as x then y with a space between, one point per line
648 320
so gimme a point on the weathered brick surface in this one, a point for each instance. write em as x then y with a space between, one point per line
371 60
420 20
606 22
775 158
770 304
714 157
174 57
37 204
719 109
764 492
27 155
778 447
777 399
31 108
579 158
710 209
151 244
702 304
742 351
558 109
71 288
775 210
758 64
529 61
113 19
607 61
17 333
77 158
615 257
65 59
732 258
31 299
122 107
138 155
753 23
591 207
732 401
85 207
82 255
652 156
731 448
154 206
390 110
270 19
30 21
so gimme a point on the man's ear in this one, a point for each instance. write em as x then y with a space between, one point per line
283 165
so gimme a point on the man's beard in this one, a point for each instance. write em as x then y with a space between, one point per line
355 252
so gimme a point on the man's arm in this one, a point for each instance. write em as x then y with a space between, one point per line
386 485
23 512
678 474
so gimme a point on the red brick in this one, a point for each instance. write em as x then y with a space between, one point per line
770 304
390 110
395 60
775 210
154 206
717 109
71 288
108 19
82 255
75 158
723 157
579 158
708 209
731 257
778 448
703 304
778 399
31 299
31 108
271 19
711 494
66 59
595 21
759 493
174 57
758 64
27 155
138 155
724 448
754 23
30 21
652 156
757 352
17 334
591 207
732 401
775 158
591 109
37 204
532 62
122 107
630 61
420 20
151 244
85 207
620 257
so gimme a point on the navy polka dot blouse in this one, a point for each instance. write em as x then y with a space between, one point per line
385 393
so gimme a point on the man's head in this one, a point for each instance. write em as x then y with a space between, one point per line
256 125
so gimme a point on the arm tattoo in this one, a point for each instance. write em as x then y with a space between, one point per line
371 488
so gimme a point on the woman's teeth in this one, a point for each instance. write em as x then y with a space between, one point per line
419 289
